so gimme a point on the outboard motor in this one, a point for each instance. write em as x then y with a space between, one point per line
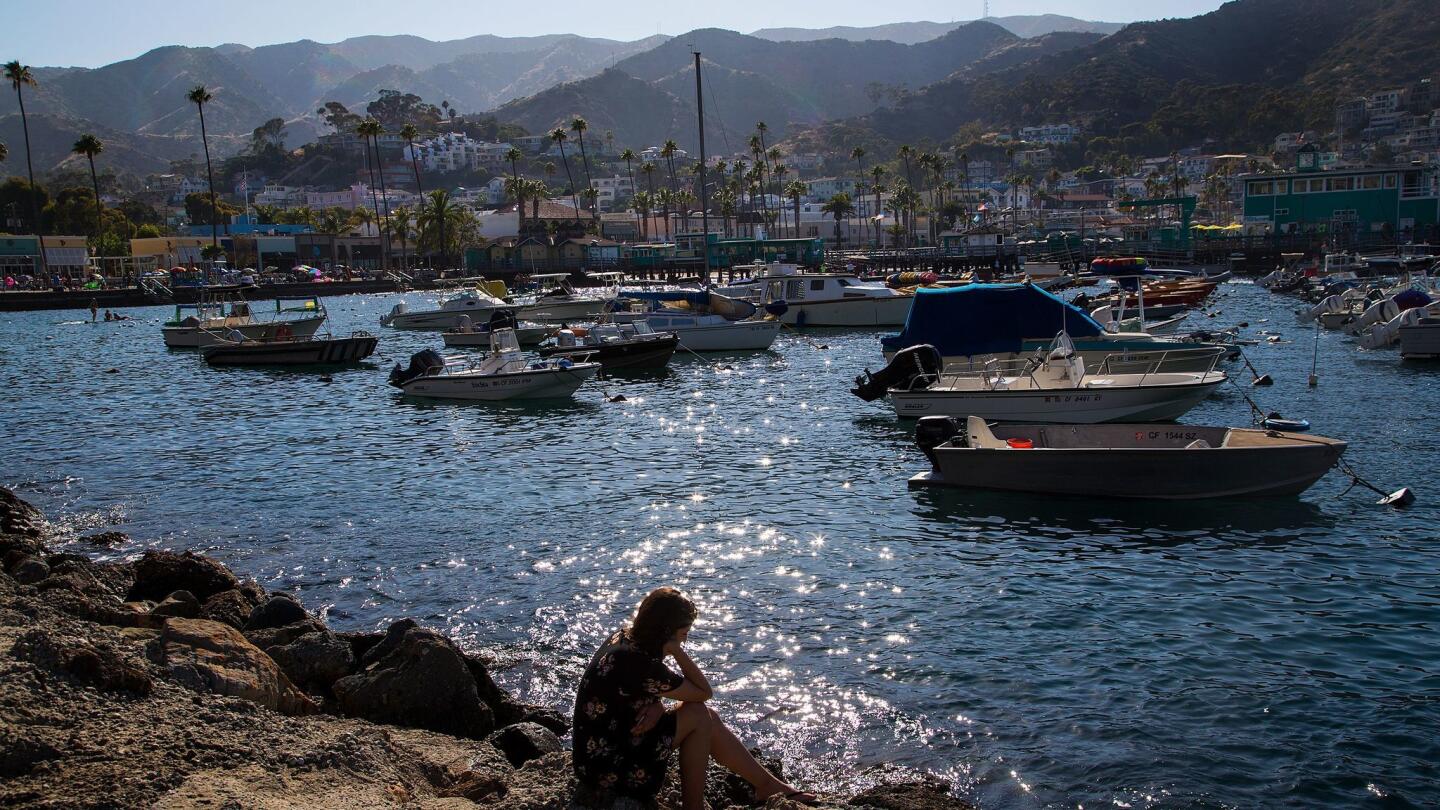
399 309
933 431
422 364
914 368
503 319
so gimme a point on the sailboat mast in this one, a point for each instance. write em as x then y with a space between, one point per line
704 196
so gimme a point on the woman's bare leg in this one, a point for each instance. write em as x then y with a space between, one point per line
694 725
727 750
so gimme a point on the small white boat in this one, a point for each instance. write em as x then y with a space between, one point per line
563 303
820 299
471 302
1421 341
504 374
229 318
468 334
707 322
1164 462
1055 388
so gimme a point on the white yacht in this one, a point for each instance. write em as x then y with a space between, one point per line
471 302
705 322
820 299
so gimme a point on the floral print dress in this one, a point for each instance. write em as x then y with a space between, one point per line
620 681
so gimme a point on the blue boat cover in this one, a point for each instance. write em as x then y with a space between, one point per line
988 319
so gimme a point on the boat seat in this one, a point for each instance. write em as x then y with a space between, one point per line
979 436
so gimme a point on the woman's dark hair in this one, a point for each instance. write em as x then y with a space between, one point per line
663 612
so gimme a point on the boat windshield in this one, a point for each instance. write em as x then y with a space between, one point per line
503 340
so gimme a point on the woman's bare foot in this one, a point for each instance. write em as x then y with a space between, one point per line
800 796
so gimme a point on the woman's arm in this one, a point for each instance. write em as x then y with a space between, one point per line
695 689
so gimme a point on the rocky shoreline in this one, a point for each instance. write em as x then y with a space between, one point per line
170 682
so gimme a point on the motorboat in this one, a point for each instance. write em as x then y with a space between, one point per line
467 334
1421 341
312 351
562 303
1380 335
614 346
703 321
820 299
504 374
1174 462
472 302
1055 387
221 316
977 323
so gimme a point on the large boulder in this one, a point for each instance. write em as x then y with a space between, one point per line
18 517
180 603
388 642
314 661
422 682
231 607
280 636
523 742
160 573
29 570
212 657
277 611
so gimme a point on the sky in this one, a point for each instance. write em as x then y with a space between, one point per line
89 33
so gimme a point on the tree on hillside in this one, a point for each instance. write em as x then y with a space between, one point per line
200 209
559 137
337 117
839 206
409 133
19 77
199 96
268 137
578 125
394 109
90 146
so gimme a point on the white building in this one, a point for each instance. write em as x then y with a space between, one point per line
1050 133
456 151
356 196
823 188
281 196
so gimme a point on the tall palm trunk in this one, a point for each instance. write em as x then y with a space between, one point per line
630 170
95 184
30 170
569 179
384 201
589 184
374 201
210 180
519 193
415 164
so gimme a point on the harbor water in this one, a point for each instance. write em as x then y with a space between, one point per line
1036 652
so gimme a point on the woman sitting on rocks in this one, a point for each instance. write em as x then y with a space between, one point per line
623 732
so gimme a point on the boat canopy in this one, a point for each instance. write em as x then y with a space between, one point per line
988 319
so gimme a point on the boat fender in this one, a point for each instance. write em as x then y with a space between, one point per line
1019 444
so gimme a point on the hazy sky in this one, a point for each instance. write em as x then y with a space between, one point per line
91 33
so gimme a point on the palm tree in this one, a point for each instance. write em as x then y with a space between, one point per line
19 75
779 174
629 157
439 219
642 202
408 132
906 152
371 129
838 206
667 151
537 192
513 155
858 155
90 146
558 136
578 125
199 96
332 221
400 226
795 191
364 129
877 172
648 169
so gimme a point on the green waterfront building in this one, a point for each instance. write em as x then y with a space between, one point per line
1400 202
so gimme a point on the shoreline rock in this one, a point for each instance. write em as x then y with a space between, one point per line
171 682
